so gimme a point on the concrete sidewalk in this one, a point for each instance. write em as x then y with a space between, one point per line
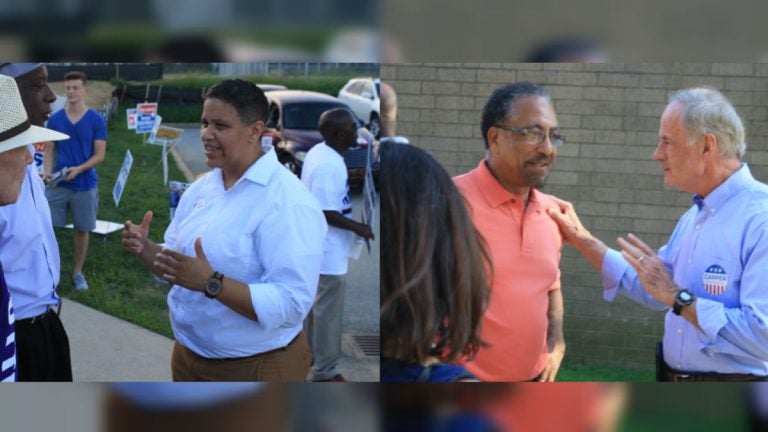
105 348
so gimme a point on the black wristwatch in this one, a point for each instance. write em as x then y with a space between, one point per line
682 299
213 285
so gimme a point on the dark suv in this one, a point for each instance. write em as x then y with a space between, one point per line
294 114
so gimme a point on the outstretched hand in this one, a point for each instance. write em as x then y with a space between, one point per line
650 269
135 236
183 270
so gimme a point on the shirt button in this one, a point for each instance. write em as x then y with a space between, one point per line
679 366
690 261
698 226
679 331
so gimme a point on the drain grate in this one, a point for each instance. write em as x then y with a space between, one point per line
360 345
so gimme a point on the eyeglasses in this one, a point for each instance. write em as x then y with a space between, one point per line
535 135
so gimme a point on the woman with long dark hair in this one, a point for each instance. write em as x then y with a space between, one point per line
433 278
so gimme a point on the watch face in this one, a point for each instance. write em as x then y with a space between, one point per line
212 286
685 296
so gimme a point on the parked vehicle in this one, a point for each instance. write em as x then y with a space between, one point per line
266 88
363 96
293 116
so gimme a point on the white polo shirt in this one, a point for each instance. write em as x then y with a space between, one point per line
266 231
325 175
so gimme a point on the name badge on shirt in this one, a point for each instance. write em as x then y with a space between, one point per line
715 280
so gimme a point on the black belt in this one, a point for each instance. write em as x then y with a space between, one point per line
34 319
680 376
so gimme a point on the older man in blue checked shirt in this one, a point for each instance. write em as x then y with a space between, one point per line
711 275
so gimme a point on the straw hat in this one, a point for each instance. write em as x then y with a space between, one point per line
15 129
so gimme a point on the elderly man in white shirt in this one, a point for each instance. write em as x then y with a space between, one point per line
30 254
243 252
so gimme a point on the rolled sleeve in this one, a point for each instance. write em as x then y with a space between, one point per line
742 330
291 244
614 267
711 317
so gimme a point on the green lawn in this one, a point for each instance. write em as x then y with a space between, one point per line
119 284
692 407
604 374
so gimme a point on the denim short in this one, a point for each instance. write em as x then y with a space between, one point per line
82 204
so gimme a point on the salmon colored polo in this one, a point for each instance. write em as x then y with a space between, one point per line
549 407
525 251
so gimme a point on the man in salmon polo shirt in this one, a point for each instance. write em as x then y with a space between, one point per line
523 323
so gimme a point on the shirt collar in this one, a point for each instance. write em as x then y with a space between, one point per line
495 194
260 171
730 187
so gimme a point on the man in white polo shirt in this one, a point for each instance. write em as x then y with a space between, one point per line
325 175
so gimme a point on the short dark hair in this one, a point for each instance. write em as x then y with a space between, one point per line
433 286
76 75
244 96
500 101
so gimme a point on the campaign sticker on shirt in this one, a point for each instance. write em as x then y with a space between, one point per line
715 280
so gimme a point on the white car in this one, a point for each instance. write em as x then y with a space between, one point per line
363 97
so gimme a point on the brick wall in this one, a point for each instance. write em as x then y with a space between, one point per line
610 115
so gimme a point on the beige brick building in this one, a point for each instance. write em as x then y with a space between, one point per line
610 116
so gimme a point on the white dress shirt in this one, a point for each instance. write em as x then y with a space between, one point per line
266 231
28 249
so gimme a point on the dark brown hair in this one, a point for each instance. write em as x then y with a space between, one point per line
76 75
244 96
433 277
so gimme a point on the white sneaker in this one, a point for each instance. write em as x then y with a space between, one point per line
79 281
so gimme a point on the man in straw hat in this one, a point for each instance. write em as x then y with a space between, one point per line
29 252
16 133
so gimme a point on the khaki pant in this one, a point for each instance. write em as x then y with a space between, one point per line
288 364
323 326
262 411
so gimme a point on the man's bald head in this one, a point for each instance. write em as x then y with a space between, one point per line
37 96
338 128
